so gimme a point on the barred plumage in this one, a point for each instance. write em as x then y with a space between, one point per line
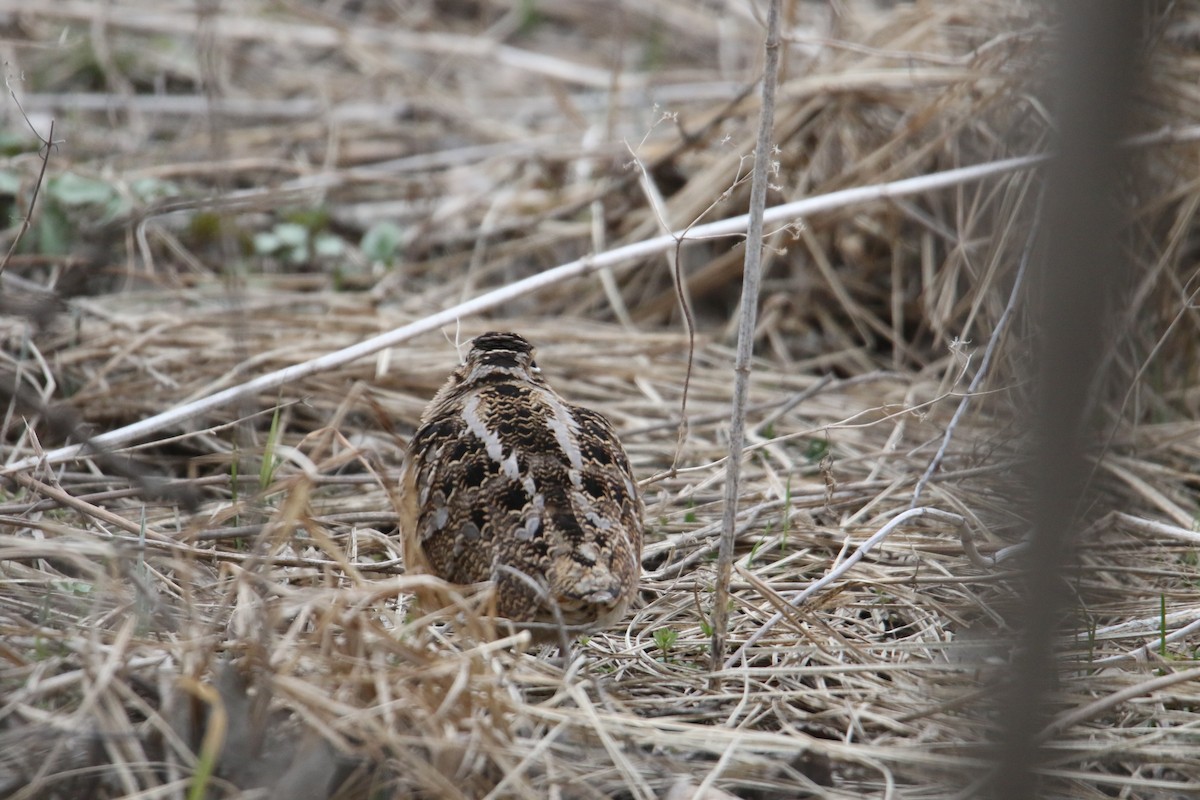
507 482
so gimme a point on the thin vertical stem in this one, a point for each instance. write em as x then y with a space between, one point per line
748 312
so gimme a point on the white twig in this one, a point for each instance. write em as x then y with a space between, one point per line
979 559
1143 652
841 569
583 266
1153 527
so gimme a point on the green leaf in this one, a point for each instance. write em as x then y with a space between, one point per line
665 639
117 206
292 235
71 189
13 144
311 219
147 190
53 232
205 227
381 243
298 254
326 245
266 243
10 182
816 449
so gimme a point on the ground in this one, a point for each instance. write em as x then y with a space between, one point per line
213 603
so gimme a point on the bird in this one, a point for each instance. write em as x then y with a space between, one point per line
505 481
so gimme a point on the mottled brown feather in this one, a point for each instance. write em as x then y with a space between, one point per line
506 482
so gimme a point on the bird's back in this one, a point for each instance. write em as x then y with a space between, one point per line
507 482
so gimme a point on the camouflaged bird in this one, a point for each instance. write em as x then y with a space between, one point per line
506 482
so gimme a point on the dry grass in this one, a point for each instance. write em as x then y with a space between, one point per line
257 643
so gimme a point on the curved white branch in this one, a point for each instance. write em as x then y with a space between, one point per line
733 225
841 569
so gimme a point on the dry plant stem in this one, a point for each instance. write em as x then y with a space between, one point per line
675 262
997 336
574 269
1150 528
47 143
233 28
95 512
1077 715
747 318
1153 528
1142 653
1188 305
840 570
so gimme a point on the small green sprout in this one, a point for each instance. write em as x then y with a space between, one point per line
665 639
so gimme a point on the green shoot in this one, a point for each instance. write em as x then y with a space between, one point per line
785 525
233 484
665 639
206 760
758 544
142 603
816 450
266 473
528 17
1162 625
